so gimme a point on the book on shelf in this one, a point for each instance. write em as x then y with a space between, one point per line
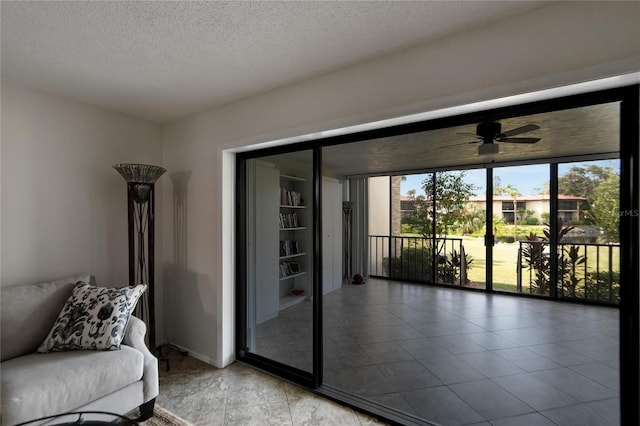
290 198
289 220
289 268
288 248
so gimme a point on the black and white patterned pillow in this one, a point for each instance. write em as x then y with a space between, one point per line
93 318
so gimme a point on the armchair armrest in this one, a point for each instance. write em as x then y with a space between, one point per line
134 337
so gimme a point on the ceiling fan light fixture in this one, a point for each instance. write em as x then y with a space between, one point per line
488 149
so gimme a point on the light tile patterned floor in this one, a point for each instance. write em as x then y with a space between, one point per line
241 395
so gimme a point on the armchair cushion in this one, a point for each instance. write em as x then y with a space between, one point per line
39 385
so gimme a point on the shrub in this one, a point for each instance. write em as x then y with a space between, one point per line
602 286
414 263
505 239
532 221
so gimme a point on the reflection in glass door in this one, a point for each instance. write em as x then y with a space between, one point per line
279 258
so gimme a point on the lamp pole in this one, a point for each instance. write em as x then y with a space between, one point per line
141 180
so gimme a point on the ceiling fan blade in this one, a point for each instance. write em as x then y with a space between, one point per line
473 135
518 130
518 140
459 144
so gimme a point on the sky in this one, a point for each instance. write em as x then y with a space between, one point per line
529 180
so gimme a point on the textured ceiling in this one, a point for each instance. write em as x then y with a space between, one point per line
590 130
565 135
167 60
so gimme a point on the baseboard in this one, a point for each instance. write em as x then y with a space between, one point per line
193 354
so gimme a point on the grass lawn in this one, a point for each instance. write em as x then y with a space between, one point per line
505 261
505 256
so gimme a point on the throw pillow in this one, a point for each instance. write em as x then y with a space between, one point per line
93 318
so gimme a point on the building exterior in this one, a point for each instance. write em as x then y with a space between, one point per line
407 207
570 208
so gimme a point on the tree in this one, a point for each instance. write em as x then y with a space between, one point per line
583 180
512 192
497 183
474 219
544 190
604 209
509 190
451 194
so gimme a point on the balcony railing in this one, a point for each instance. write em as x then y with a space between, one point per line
585 271
418 259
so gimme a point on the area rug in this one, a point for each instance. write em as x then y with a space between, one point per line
162 417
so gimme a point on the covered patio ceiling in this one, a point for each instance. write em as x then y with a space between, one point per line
590 130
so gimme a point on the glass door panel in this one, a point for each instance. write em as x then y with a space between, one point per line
588 230
411 230
521 211
460 213
409 245
279 258
473 226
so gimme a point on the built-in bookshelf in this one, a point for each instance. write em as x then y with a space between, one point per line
280 254
292 224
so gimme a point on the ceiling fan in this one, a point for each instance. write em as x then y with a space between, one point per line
488 133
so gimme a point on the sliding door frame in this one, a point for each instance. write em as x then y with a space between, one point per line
311 379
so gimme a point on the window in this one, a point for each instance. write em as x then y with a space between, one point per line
567 204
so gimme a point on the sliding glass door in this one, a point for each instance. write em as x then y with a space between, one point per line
279 259
588 227
521 216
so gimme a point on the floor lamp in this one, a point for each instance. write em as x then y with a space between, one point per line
141 203
347 239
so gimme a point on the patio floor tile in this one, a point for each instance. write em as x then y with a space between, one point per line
490 400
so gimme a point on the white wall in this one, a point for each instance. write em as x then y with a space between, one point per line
559 44
379 199
64 208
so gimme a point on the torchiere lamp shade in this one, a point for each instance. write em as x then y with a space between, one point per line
142 176
139 173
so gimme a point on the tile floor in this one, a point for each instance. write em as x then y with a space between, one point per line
458 357
241 395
